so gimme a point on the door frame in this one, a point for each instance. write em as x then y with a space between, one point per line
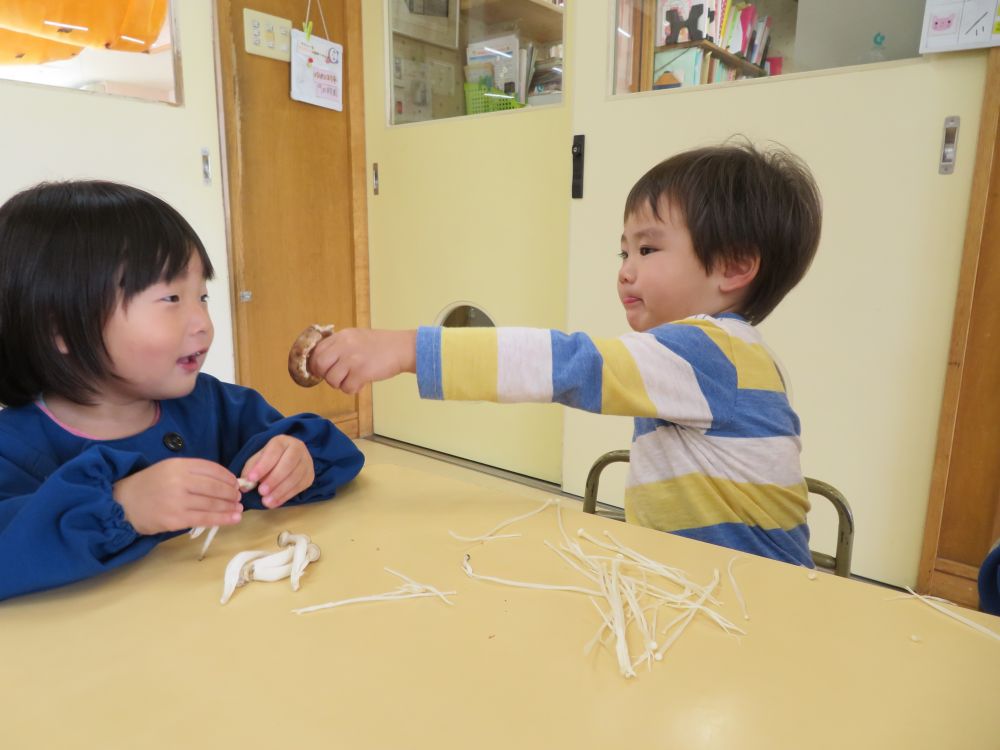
228 43
969 382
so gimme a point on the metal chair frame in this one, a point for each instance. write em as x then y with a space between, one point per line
839 562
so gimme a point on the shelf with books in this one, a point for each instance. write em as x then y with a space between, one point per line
711 52
542 20
497 53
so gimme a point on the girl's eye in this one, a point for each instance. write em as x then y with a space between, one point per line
646 250
172 298
622 254
204 298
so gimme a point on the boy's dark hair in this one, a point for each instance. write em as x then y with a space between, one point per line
69 253
740 201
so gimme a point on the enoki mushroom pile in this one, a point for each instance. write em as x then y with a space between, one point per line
628 590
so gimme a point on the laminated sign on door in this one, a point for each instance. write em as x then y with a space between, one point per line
317 71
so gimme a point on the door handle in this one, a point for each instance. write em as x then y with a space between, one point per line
577 151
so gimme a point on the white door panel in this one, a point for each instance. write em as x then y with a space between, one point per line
470 209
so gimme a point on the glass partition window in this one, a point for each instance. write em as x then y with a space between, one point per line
121 47
667 44
449 58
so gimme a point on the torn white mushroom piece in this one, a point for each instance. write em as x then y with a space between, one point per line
299 554
409 590
295 553
236 572
279 565
245 486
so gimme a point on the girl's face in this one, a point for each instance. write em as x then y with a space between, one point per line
158 342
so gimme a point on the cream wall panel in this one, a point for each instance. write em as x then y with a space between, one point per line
469 209
55 134
865 336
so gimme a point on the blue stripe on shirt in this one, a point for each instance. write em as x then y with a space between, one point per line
429 379
576 372
791 546
715 374
760 414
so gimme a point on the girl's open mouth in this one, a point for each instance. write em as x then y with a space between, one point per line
191 361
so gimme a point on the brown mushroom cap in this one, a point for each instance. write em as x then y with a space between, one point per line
298 355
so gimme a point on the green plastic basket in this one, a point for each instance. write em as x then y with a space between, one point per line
479 99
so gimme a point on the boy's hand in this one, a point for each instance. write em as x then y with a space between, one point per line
179 493
352 358
283 468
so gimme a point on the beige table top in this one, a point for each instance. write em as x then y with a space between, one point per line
147 658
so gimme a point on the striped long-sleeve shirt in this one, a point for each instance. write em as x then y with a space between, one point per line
715 451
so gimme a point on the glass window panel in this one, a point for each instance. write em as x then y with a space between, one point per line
104 50
666 44
449 58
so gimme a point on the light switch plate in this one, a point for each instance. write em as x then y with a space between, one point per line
267 35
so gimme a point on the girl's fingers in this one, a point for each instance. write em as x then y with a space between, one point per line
265 461
294 480
204 468
200 486
213 518
201 504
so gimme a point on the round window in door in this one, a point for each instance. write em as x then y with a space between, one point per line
465 315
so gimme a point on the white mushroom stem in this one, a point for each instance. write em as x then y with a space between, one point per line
411 590
489 535
262 570
931 601
467 567
736 589
234 577
301 542
245 486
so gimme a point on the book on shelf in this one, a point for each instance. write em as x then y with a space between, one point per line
680 21
512 61
546 77
504 54
681 66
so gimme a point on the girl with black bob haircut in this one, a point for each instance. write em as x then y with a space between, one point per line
113 440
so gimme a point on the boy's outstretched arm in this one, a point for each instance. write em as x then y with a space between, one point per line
352 358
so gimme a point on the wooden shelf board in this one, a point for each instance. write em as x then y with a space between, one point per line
539 20
727 57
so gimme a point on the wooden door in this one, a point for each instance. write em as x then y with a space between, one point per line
296 203
963 515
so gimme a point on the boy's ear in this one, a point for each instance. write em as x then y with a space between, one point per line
738 273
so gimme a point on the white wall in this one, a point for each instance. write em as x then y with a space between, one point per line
53 134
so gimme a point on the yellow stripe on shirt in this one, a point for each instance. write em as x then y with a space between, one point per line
754 367
622 389
672 505
469 364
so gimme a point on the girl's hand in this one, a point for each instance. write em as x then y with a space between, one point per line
354 357
283 468
179 493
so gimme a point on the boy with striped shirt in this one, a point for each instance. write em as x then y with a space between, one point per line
713 240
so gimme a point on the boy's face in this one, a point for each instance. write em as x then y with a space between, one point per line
158 342
661 279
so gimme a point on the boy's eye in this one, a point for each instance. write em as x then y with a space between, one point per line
622 254
172 298
204 297
646 250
